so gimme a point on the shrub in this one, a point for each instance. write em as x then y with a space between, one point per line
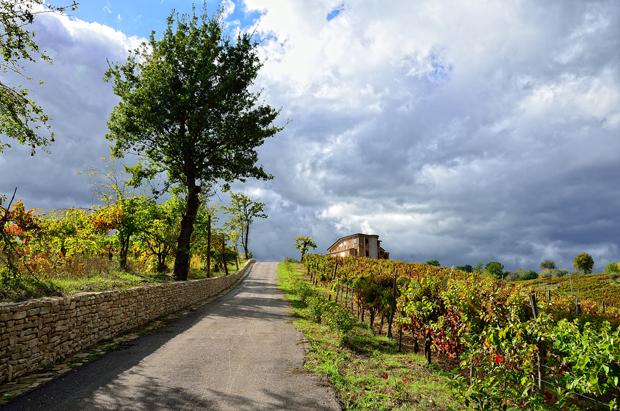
340 319
305 291
318 305
614 276
612 268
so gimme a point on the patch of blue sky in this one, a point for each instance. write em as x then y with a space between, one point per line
440 70
140 17
335 12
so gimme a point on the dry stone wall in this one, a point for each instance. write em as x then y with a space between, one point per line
36 333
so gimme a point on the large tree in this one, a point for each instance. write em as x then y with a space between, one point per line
21 118
243 211
186 106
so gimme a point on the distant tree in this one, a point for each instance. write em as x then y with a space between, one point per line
548 265
21 118
467 268
187 105
303 243
243 211
583 263
496 269
433 263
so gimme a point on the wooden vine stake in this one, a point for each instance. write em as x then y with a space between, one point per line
534 305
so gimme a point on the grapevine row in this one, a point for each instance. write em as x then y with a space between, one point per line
513 349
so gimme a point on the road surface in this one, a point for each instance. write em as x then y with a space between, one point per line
239 352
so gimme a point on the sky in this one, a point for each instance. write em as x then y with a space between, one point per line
459 131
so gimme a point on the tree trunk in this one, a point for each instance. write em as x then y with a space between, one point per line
123 252
161 263
224 256
208 245
183 255
245 241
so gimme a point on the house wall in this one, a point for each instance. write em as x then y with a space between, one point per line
36 333
373 247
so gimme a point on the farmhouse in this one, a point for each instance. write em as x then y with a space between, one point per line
358 245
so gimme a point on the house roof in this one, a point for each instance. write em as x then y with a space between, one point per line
351 236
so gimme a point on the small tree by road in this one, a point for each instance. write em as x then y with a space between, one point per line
303 244
583 263
244 211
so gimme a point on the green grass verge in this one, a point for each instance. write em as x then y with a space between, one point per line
367 370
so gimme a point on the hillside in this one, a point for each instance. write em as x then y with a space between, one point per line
597 287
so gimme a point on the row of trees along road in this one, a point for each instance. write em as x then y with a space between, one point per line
186 109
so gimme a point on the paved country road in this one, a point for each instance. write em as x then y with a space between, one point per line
239 352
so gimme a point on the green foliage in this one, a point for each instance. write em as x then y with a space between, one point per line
467 268
547 265
583 263
495 269
243 211
522 275
303 244
590 358
318 305
160 229
187 105
340 319
612 268
488 326
433 263
366 369
21 118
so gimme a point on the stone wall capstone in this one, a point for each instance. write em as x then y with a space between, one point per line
35 334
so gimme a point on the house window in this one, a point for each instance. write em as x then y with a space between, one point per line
367 255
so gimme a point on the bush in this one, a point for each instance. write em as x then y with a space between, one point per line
522 275
612 268
318 305
553 273
305 291
340 319
614 276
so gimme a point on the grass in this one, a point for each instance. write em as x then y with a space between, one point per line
28 286
596 287
366 370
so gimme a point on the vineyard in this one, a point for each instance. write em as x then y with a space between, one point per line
511 347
